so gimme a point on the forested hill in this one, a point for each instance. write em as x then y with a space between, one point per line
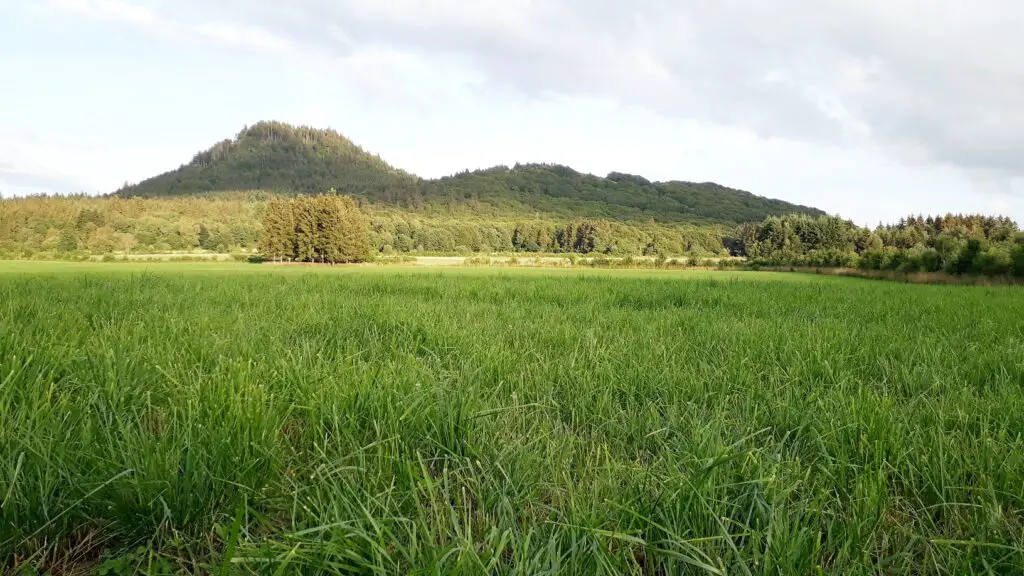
561 191
278 157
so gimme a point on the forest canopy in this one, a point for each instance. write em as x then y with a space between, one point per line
60 226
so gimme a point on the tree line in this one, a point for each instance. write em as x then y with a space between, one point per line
292 227
69 226
398 232
957 244
59 226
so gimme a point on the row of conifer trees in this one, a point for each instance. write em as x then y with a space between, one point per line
327 228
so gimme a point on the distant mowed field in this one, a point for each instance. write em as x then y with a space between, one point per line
242 419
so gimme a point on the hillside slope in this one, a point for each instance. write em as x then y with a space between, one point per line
278 157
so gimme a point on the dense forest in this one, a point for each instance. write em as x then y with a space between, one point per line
562 191
76 226
41 226
277 157
59 227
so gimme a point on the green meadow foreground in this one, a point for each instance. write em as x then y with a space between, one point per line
239 419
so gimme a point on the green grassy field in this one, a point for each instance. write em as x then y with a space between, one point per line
239 419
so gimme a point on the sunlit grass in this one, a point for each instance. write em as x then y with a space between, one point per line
231 418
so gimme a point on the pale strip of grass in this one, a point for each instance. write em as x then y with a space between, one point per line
30 267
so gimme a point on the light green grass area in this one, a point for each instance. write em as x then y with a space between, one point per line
243 419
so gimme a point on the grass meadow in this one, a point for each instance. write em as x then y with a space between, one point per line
241 419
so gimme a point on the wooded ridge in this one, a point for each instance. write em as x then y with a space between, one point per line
277 157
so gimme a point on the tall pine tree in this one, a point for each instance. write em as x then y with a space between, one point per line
278 240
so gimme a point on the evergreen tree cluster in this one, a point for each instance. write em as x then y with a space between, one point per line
326 228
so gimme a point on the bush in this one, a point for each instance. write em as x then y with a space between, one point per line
931 260
964 263
910 262
255 259
108 258
1017 256
895 259
828 258
995 261
877 259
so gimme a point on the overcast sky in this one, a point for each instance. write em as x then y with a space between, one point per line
872 109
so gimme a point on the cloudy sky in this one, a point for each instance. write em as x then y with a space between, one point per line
872 109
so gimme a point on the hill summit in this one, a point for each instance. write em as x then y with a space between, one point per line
278 157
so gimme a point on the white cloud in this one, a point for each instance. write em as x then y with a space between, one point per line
244 36
935 82
927 95
29 162
114 10
943 81
234 34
